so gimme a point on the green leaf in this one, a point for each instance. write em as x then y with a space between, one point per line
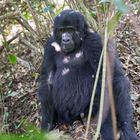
27 15
121 6
35 74
113 22
12 58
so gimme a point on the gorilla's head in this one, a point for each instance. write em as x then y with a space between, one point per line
70 28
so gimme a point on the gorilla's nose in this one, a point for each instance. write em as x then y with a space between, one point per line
66 38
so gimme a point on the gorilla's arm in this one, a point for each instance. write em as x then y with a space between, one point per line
93 52
93 49
45 87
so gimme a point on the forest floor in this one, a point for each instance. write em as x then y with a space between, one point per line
21 108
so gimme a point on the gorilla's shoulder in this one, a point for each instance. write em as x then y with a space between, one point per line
93 35
48 42
48 47
93 38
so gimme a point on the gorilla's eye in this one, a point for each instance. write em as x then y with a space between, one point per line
67 29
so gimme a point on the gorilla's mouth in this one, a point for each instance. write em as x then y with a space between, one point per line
68 48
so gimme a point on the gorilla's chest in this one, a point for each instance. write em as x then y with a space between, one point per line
72 83
73 60
72 69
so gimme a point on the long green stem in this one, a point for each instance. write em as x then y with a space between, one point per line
103 83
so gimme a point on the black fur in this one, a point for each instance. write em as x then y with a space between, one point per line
66 87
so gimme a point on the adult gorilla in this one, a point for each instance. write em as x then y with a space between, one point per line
68 73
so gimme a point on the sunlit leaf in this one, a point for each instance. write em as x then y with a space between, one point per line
27 15
93 13
12 58
35 74
113 22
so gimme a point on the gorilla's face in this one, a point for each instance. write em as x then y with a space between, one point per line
69 39
69 30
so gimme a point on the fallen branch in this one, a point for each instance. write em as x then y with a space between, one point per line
10 40
25 63
28 44
26 25
9 15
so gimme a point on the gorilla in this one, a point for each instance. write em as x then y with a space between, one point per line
71 57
